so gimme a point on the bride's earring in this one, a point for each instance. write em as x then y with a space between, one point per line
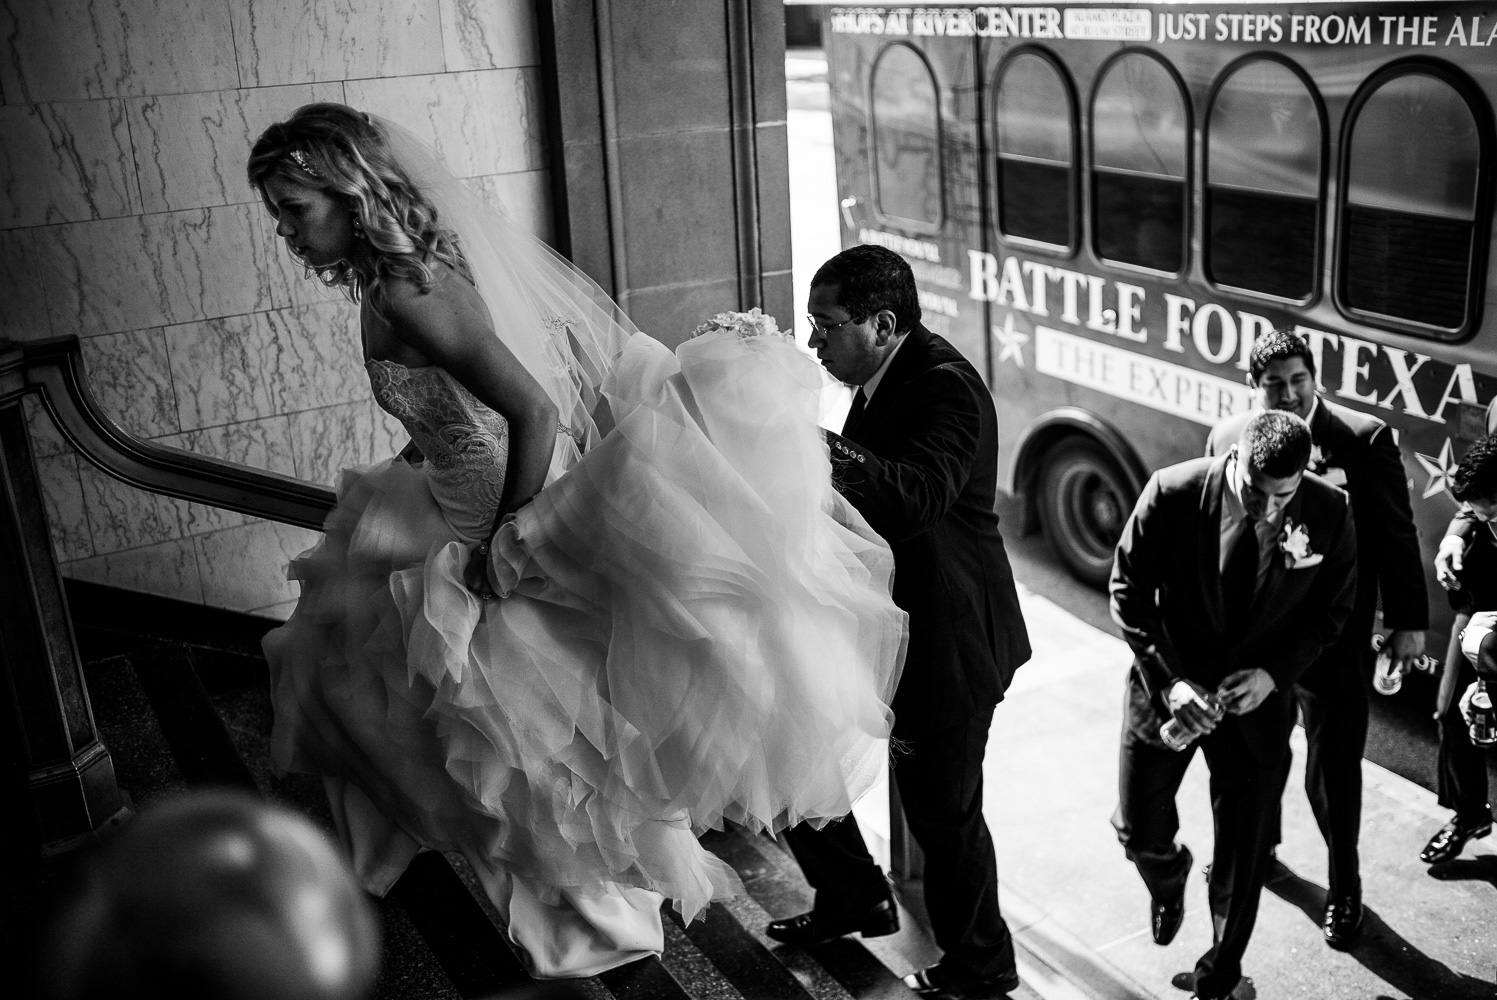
358 229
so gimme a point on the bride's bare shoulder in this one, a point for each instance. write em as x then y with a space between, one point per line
447 289
447 309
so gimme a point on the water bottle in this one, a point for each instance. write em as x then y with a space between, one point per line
1387 677
1483 728
1177 736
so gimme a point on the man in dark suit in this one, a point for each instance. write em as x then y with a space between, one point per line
918 457
1356 452
1232 576
1466 566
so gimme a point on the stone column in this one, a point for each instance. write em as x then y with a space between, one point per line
669 154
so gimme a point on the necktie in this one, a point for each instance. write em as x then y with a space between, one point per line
1240 578
859 401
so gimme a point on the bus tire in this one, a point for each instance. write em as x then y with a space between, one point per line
1084 501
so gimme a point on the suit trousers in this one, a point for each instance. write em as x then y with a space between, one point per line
1245 792
1333 704
940 783
1332 698
1462 766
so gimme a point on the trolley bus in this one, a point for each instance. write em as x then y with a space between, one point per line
1105 203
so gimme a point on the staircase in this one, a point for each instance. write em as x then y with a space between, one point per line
180 697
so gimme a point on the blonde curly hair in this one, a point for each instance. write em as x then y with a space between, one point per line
343 152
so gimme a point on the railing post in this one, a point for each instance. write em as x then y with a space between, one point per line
68 771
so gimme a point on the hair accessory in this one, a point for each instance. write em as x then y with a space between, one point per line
300 159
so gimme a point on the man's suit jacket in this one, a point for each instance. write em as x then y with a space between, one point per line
921 464
1371 471
1167 596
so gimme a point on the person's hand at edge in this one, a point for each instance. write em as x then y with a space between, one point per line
1188 704
1245 690
1449 561
1406 647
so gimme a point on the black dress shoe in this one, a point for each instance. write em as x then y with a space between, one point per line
1343 921
937 983
1451 840
814 927
1165 916
1244 990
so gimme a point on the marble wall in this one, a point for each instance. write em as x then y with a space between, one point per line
125 219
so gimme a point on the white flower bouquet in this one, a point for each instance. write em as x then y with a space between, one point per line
744 325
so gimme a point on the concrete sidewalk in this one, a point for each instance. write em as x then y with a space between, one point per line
1076 902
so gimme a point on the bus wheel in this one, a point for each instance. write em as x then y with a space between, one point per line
1084 501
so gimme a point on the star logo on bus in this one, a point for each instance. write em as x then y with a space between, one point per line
1010 341
1441 469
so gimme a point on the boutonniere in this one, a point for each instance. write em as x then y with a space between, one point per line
1294 542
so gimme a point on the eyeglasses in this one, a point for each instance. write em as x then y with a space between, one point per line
823 329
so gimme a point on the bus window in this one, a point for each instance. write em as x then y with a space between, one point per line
907 139
1409 233
1140 148
1264 142
1035 117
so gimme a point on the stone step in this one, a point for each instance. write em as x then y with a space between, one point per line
169 732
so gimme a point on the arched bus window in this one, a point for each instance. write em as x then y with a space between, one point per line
1265 141
1413 215
1035 119
907 139
1140 151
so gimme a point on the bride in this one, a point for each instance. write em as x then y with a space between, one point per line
605 600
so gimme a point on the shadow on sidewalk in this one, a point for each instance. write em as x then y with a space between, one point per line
1384 952
1482 868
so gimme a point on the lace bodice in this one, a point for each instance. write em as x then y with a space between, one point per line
466 444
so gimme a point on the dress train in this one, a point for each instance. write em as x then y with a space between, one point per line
695 628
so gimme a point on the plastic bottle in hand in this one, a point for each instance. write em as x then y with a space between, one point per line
1483 719
1177 736
1387 677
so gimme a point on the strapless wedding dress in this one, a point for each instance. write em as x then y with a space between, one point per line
693 628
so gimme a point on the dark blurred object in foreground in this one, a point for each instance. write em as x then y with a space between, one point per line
216 896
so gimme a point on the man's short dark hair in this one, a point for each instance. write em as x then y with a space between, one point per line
870 278
1277 444
1276 346
1476 473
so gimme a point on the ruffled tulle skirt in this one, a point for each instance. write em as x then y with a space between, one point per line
693 628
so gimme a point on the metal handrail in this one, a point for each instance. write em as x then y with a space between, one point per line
53 369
